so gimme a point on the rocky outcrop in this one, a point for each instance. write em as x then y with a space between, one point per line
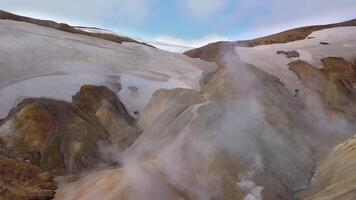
65 138
54 134
334 83
110 112
22 181
67 28
289 54
335 177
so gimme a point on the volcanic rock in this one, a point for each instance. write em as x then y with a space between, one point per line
334 179
333 83
54 134
109 111
23 181
289 54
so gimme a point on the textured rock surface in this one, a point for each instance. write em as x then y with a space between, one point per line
334 83
23 181
66 138
335 177
63 138
103 104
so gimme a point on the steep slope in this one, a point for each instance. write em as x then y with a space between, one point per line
67 28
34 59
256 130
335 176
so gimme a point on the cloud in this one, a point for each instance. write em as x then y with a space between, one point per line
204 8
190 43
268 17
94 12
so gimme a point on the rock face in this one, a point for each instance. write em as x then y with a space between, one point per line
110 112
23 181
335 177
334 83
65 138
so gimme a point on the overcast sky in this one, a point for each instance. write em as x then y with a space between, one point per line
188 22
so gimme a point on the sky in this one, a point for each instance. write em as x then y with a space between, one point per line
188 22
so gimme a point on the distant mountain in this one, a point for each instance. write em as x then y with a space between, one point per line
210 52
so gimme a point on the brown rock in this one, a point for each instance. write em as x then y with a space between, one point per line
335 175
289 54
91 98
110 112
333 83
20 181
53 134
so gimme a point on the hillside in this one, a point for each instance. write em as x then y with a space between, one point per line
122 120
211 52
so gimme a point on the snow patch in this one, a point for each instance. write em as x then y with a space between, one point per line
37 61
65 86
265 58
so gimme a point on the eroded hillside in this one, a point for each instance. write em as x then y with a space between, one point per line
261 125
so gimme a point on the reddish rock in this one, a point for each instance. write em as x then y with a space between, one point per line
23 181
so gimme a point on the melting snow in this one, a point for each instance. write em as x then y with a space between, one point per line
37 61
310 50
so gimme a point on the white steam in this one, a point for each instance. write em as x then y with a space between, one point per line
253 191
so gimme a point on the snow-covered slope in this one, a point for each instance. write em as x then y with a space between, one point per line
341 43
38 61
160 45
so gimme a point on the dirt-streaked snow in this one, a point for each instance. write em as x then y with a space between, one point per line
36 61
310 50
